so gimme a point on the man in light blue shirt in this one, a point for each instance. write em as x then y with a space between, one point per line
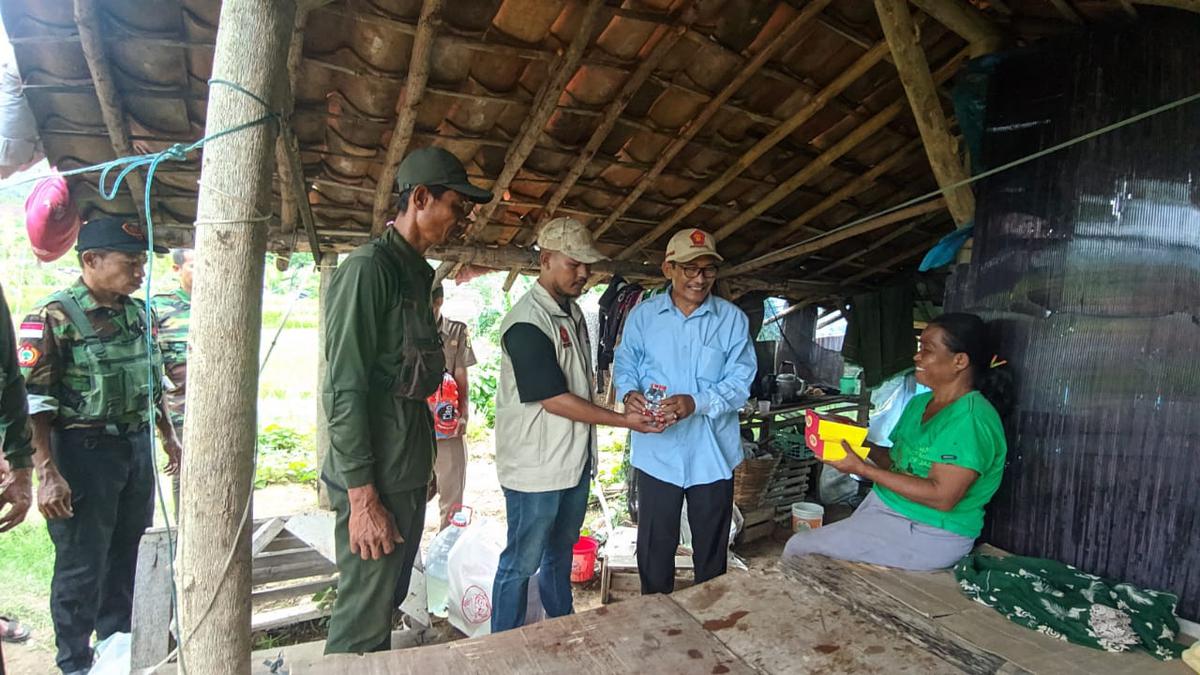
698 347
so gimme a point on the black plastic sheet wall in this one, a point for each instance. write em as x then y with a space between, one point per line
1089 261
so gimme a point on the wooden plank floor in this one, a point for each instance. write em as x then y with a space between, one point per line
929 608
779 626
649 634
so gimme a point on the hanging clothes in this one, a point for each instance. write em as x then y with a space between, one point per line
879 333
1062 602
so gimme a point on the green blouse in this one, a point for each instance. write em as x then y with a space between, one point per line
966 433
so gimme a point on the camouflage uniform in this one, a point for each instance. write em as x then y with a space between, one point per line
172 313
86 365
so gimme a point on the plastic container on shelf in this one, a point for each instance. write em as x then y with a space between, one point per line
437 577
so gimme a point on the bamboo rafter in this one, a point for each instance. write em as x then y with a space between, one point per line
410 99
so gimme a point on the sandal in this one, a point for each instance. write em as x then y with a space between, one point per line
12 630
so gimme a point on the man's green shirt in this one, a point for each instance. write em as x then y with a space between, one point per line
379 331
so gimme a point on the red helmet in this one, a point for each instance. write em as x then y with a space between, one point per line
51 218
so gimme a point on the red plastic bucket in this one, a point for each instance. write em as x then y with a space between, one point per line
583 560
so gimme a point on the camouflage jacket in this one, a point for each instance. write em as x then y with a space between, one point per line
98 383
173 313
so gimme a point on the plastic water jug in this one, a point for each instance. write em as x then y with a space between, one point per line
437 577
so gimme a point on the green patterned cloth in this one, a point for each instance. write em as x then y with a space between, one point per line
1064 603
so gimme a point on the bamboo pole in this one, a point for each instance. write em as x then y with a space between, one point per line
218 468
874 246
293 189
818 243
543 107
921 90
891 262
410 100
967 22
689 131
87 21
326 264
799 118
897 159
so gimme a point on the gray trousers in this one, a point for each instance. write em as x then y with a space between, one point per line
878 535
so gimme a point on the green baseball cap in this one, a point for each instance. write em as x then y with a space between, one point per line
438 166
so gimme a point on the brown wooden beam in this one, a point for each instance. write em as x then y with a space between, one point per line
874 246
818 243
818 165
967 22
892 261
897 159
544 104
1067 11
1186 5
689 131
293 189
921 90
410 99
785 129
87 21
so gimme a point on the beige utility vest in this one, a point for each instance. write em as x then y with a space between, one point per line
537 451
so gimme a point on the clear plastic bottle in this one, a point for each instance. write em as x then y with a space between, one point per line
437 577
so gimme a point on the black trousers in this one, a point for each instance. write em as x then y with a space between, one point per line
710 508
95 551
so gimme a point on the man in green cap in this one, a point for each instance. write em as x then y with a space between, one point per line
92 377
385 359
172 313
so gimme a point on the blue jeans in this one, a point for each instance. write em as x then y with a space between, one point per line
542 530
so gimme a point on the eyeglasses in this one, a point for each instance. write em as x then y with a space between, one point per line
690 271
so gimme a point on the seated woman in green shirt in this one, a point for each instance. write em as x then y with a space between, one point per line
946 461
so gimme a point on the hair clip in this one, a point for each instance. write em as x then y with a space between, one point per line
997 362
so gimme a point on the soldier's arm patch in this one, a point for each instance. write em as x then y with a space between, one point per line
28 356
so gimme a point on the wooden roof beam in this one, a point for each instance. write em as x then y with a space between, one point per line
801 116
1186 5
818 165
544 104
409 100
293 188
940 145
608 122
892 261
874 246
817 243
87 22
689 131
893 161
967 22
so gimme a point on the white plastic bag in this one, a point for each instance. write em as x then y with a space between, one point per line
113 655
472 569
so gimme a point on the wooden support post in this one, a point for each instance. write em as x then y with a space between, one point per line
87 22
967 22
543 107
897 159
818 243
940 145
326 264
785 39
214 570
410 100
818 102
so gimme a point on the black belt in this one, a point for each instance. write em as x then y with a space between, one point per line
111 429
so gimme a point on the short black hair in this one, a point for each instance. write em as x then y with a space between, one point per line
438 292
436 190
102 251
179 255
